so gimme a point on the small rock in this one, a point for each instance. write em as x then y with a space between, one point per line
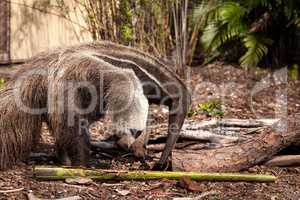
123 192
79 181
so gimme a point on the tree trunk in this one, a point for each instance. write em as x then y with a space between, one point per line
238 157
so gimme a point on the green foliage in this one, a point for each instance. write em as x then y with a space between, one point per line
127 33
256 49
250 22
2 82
293 72
126 14
145 24
212 108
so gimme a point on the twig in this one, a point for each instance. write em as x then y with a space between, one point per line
11 191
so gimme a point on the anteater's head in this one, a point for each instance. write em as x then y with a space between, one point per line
131 106
132 122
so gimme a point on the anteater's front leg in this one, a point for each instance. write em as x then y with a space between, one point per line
73 148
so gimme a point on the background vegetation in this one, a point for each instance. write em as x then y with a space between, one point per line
185 32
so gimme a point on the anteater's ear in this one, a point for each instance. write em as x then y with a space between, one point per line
135 133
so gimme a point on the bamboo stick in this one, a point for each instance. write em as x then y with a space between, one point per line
60 173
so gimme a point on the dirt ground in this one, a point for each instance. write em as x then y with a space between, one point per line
243 93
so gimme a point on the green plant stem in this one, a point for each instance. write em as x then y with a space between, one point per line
59 173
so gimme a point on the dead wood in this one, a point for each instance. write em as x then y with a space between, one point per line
243 123
207 136
210 137
219 131
11 191
202 135
241 156
187 146
104 145
160 147
284 161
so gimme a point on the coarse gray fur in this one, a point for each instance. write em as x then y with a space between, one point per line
47 83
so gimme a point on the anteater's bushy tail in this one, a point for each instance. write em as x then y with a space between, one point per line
18 129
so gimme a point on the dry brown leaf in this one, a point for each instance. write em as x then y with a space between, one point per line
187 183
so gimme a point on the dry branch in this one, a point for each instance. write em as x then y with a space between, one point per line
11 191
243 123
49 173
191 146
235 130
284 161
104 145
241 156
207 136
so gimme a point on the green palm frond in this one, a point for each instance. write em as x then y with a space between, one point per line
215 34
257 48
246 21
227 25
231 12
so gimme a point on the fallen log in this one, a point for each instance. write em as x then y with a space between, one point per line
58 173
256 150
284 161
